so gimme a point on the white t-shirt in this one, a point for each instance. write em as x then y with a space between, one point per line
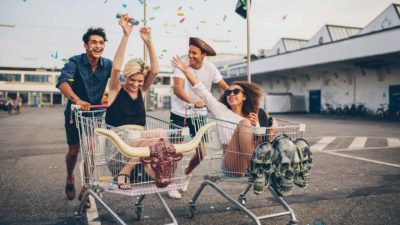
207 75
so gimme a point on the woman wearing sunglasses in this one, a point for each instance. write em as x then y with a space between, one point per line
238 105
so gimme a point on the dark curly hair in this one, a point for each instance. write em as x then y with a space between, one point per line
94 31
253 92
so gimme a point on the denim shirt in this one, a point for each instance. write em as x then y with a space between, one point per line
89 86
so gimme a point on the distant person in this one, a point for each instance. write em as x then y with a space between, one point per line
83 81
10 105
19 104
183 94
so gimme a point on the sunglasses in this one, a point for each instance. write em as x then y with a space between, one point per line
235 91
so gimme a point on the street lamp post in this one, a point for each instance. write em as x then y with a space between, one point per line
144 23
248 40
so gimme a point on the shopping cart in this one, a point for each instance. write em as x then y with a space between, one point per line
215 170
106 151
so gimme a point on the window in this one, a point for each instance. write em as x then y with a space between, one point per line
10 77
36 78
24 96
162 81
46 98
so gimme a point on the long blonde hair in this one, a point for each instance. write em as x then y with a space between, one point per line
136 66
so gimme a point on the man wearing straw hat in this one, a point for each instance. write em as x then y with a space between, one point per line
205 71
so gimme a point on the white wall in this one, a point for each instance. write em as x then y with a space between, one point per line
337 87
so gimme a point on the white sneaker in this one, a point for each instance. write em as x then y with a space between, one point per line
186 182
174 194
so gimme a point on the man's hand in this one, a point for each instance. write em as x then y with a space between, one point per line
253 117
85 106
199 104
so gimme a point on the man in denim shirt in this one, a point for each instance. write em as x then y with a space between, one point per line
83 81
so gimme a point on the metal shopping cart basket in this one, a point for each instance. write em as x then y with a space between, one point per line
215 145
106 151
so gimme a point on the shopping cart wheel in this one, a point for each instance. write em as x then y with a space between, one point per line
138 211
242 200
292 222
77 216
191 208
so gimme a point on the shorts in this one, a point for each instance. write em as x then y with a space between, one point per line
71 131
179 120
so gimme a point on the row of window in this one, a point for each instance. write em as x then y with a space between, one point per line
33 98
45 78
28 77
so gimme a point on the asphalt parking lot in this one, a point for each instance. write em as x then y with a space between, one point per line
355 178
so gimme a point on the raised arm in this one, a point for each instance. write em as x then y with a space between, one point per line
145 34
178 63
127 28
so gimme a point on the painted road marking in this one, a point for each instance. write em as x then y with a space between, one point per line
321 144
393 142
358 142
363 159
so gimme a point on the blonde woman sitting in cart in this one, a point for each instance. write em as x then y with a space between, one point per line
125 100
240 105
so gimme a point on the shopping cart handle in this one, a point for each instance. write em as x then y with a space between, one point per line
77 107
98 106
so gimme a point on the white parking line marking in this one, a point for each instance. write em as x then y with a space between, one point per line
321 144
92 214
363 159
358 142
393 142
361 149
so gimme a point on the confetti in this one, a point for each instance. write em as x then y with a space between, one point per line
124 5
180 8
181 14
55 55
141 1
229 31
284 17
156 7
224 18
182 20
105 1
152 18
190 7
203 21
164 50
65 60
167 32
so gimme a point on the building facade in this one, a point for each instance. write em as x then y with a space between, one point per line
37 87
339 66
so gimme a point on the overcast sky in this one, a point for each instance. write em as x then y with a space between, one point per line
41 33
